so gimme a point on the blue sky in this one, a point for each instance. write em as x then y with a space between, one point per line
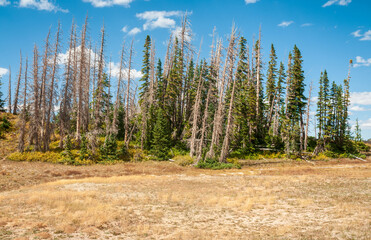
328 32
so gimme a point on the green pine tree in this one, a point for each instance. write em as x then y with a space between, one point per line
161 136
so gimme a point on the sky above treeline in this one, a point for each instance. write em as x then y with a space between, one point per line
328 32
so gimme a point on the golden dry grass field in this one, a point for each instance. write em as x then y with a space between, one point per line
160 200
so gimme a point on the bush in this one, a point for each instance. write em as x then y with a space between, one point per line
51 157
210 163
362 147
183 160
4 125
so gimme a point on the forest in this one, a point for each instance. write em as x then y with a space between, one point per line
206 112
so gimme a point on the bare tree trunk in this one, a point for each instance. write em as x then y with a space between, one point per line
81 81
226 142
35 124
308 116
228 65
51 92
203 130
118 92
99 92
258 80
66 102
21 141
15 105
127 139
196 113
42 104
10 91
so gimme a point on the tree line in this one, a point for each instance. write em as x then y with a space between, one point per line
210 107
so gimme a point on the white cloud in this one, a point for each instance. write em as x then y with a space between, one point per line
366 36
337 2
4 2
115 71
357 108
44 5
251 1
362 36
134 31
125 29
158 19
177 32
361 62
109 3
366 124
360 98
357 33
285 23
306 25
3 71
63 57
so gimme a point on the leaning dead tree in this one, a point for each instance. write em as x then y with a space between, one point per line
15 105
218 118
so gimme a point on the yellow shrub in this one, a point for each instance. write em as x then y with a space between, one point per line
321 157
51 157
183 160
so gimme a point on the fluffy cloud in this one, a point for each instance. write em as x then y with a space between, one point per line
115 71
4 2
361 62
125 29
285 23
356 108
366 124
158 19
134 31
109 3
362 36
337 2
251 1
360 98
3 71
43 5
177 32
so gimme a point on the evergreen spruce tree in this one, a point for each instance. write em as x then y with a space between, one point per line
161 136
357 132
271 82
143 90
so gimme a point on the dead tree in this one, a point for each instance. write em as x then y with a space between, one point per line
35 117
43 93
15 105
10 91
118 93
48 128
81 81
127 138
196 114
226 142
308 117
228 66
65 105
258 63
22 128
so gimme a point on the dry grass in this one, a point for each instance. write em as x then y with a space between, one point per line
164 201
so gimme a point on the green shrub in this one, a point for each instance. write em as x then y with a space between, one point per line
210 163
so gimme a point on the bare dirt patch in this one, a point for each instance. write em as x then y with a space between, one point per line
329 200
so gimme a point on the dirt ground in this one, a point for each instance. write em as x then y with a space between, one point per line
266 199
